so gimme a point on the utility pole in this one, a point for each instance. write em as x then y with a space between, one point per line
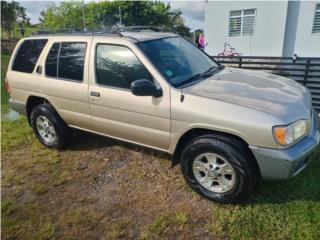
83 18
120 16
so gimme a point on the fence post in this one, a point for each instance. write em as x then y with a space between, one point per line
305 78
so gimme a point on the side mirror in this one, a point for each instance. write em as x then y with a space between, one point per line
145 87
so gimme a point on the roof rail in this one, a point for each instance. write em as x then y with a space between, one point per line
75 32
53 31
115 31
138 29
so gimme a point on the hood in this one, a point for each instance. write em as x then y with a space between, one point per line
279 96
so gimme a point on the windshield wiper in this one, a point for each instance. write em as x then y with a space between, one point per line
188 80
210 71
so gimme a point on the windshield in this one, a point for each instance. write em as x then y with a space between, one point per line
178 60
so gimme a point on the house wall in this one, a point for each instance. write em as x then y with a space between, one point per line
269 32
307 44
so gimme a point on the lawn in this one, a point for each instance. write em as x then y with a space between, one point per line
102 189
4 95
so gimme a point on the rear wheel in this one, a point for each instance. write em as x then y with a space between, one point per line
219 168
48 126
220 57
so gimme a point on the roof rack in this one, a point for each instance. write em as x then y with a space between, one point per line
116 30
71 31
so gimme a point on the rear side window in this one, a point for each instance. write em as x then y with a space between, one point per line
66 61
71 61
28 54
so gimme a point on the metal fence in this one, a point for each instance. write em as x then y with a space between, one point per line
301 69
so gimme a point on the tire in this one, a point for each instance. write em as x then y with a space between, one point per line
49 127
235 55
220 57
230 179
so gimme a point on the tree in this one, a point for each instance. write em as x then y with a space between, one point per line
178 24
65 15
12 14
106 14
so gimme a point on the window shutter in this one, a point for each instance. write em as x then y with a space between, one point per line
235 22
248 25
316 21
235 27
242 22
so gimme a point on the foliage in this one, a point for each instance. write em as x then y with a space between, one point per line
65 15
106 14
4 94
13 15
197 32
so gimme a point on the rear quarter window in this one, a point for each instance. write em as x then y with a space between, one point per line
28 54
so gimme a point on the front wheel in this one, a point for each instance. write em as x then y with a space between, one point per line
235 57
219 168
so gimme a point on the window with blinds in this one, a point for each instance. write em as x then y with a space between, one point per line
316 21
242 22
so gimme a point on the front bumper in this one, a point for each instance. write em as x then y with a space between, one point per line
281 164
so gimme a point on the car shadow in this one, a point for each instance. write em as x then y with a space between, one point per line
305 186
82 140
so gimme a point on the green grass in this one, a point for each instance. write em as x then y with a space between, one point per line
15 133
277 210
4 95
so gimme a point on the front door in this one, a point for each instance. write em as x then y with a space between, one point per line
115 110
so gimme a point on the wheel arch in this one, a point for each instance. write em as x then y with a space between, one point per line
197 132
32 102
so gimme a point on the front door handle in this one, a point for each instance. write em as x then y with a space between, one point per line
94 94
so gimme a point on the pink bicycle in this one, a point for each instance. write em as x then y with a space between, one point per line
228 51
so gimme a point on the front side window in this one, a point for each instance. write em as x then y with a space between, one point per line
242 22
177 59
117 66
316 20
28 54
66 61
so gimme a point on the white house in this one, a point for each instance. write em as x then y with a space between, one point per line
263 28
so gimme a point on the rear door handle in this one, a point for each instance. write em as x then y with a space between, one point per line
94 94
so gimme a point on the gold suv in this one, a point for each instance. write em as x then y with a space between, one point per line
226 127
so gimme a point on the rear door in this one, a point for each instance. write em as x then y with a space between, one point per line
116 112
64 79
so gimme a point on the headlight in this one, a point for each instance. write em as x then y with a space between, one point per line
286 135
